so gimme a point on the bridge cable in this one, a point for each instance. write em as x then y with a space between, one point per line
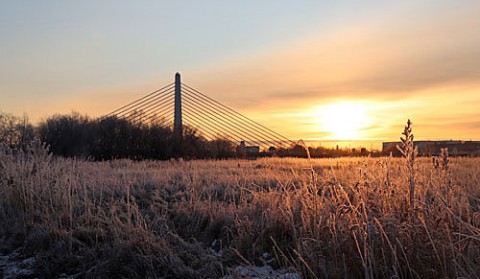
152 94
159 104
205 132
211 129
271 132
140 106
240 124
150 105
209 124
161 112
243 134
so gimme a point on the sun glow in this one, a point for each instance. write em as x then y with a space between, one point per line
344 120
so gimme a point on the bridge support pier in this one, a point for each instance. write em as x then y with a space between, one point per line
177 121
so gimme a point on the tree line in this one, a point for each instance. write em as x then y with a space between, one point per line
76 135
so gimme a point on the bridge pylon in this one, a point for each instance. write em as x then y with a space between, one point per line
177 119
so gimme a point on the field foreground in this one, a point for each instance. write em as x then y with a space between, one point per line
324 218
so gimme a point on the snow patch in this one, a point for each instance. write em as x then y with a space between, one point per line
257 272
13 266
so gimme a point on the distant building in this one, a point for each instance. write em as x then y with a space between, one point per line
433 148
253 152
249 152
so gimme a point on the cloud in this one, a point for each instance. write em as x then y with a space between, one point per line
420 66
372 59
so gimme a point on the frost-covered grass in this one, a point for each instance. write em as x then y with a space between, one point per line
218 219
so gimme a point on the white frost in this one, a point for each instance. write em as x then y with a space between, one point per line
254 272
11 266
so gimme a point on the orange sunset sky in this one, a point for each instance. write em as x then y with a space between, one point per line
319 70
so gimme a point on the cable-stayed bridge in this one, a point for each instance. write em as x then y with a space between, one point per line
179 104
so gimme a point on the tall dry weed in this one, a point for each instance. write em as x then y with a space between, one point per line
323 218
409 152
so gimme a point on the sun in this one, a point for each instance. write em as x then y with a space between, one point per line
344 120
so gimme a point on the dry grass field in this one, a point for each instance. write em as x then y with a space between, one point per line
320 218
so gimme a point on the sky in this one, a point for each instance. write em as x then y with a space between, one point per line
318 70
